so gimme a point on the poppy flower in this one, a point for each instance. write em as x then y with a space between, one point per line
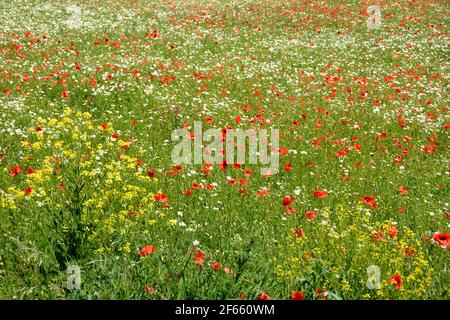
409 252
15 171
310 215
299 233
396 280
287 201
429 149
263 192
319 194
30 171
209 186
403 190
147 250
151 173
288 166
298 296
283 151
378 235
442 238
290 210
392 231
199 258
216 266
149 289
263 296
27 191
370 201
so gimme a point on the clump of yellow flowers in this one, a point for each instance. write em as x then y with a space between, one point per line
117 202
351 248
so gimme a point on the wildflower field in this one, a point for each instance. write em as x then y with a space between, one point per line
93 207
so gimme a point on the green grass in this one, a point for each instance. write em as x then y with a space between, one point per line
92 208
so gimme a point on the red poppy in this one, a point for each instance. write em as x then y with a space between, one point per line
290 210
27 191
370 201
228 270
396 280
151 173
288 200
409 252
378 235
310 215
147 250
216 266
209 186
442 238
429 149
321 294
263 192
196 185
392 231
299 233
149 289
199 258
263 296
30 171
288 166
318 194
403 190
160 197
15 171
283 151
298 296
